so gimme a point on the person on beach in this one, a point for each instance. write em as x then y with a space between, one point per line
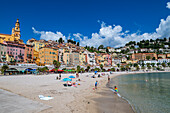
59 76
96 83
108 79
116 90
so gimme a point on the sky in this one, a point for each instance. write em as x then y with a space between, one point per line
90 22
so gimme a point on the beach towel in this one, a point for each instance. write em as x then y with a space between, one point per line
45 98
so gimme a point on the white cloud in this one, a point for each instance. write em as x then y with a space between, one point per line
48 35
168 5
164 28
110 35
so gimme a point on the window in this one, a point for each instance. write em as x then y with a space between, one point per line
1 52
13 49
16 57
16 53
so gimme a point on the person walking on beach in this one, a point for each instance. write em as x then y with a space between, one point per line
59 76
108 78
96 83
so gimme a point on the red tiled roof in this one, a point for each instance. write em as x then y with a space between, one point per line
5 34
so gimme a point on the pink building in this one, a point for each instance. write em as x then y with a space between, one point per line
16 50
108 60
28 56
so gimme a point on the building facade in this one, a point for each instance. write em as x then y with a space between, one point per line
48 55
143 56
16 50
3 50
28 56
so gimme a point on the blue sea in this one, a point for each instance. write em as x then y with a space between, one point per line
147 93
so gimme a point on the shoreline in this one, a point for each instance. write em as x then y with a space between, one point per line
68 99
105 86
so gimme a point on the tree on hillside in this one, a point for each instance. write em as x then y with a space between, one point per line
148 57
163 64
100 47
153 58
112 69
135 64
77 43
88 68
101 66
60 41
78 68
107 50
56 64
153 64
169 64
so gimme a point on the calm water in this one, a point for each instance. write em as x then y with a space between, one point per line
148 93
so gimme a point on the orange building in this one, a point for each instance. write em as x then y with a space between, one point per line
142 56
47 55
28 56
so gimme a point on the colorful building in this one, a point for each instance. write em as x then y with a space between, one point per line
107 60
15 50
3 50
74 58
28 56
66 57
143 56
82 58
37 44
47 55
15 36
99 59
90 58
36 58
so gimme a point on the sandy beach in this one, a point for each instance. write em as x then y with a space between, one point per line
68 99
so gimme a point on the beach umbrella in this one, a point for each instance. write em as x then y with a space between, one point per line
71 76
67 79
60 70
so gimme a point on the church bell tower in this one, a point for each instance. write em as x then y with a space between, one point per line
16 31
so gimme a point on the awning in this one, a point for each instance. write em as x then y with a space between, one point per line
60 70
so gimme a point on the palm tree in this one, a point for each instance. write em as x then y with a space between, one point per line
88 68
56 64
78 69
101 66
164 65
4 68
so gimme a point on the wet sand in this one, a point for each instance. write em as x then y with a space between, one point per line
105 101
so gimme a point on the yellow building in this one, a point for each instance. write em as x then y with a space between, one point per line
47 55
15 36
9 58
66 57
100 59
37 43
82 59
36 58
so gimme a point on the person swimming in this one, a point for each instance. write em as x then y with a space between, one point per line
116 90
